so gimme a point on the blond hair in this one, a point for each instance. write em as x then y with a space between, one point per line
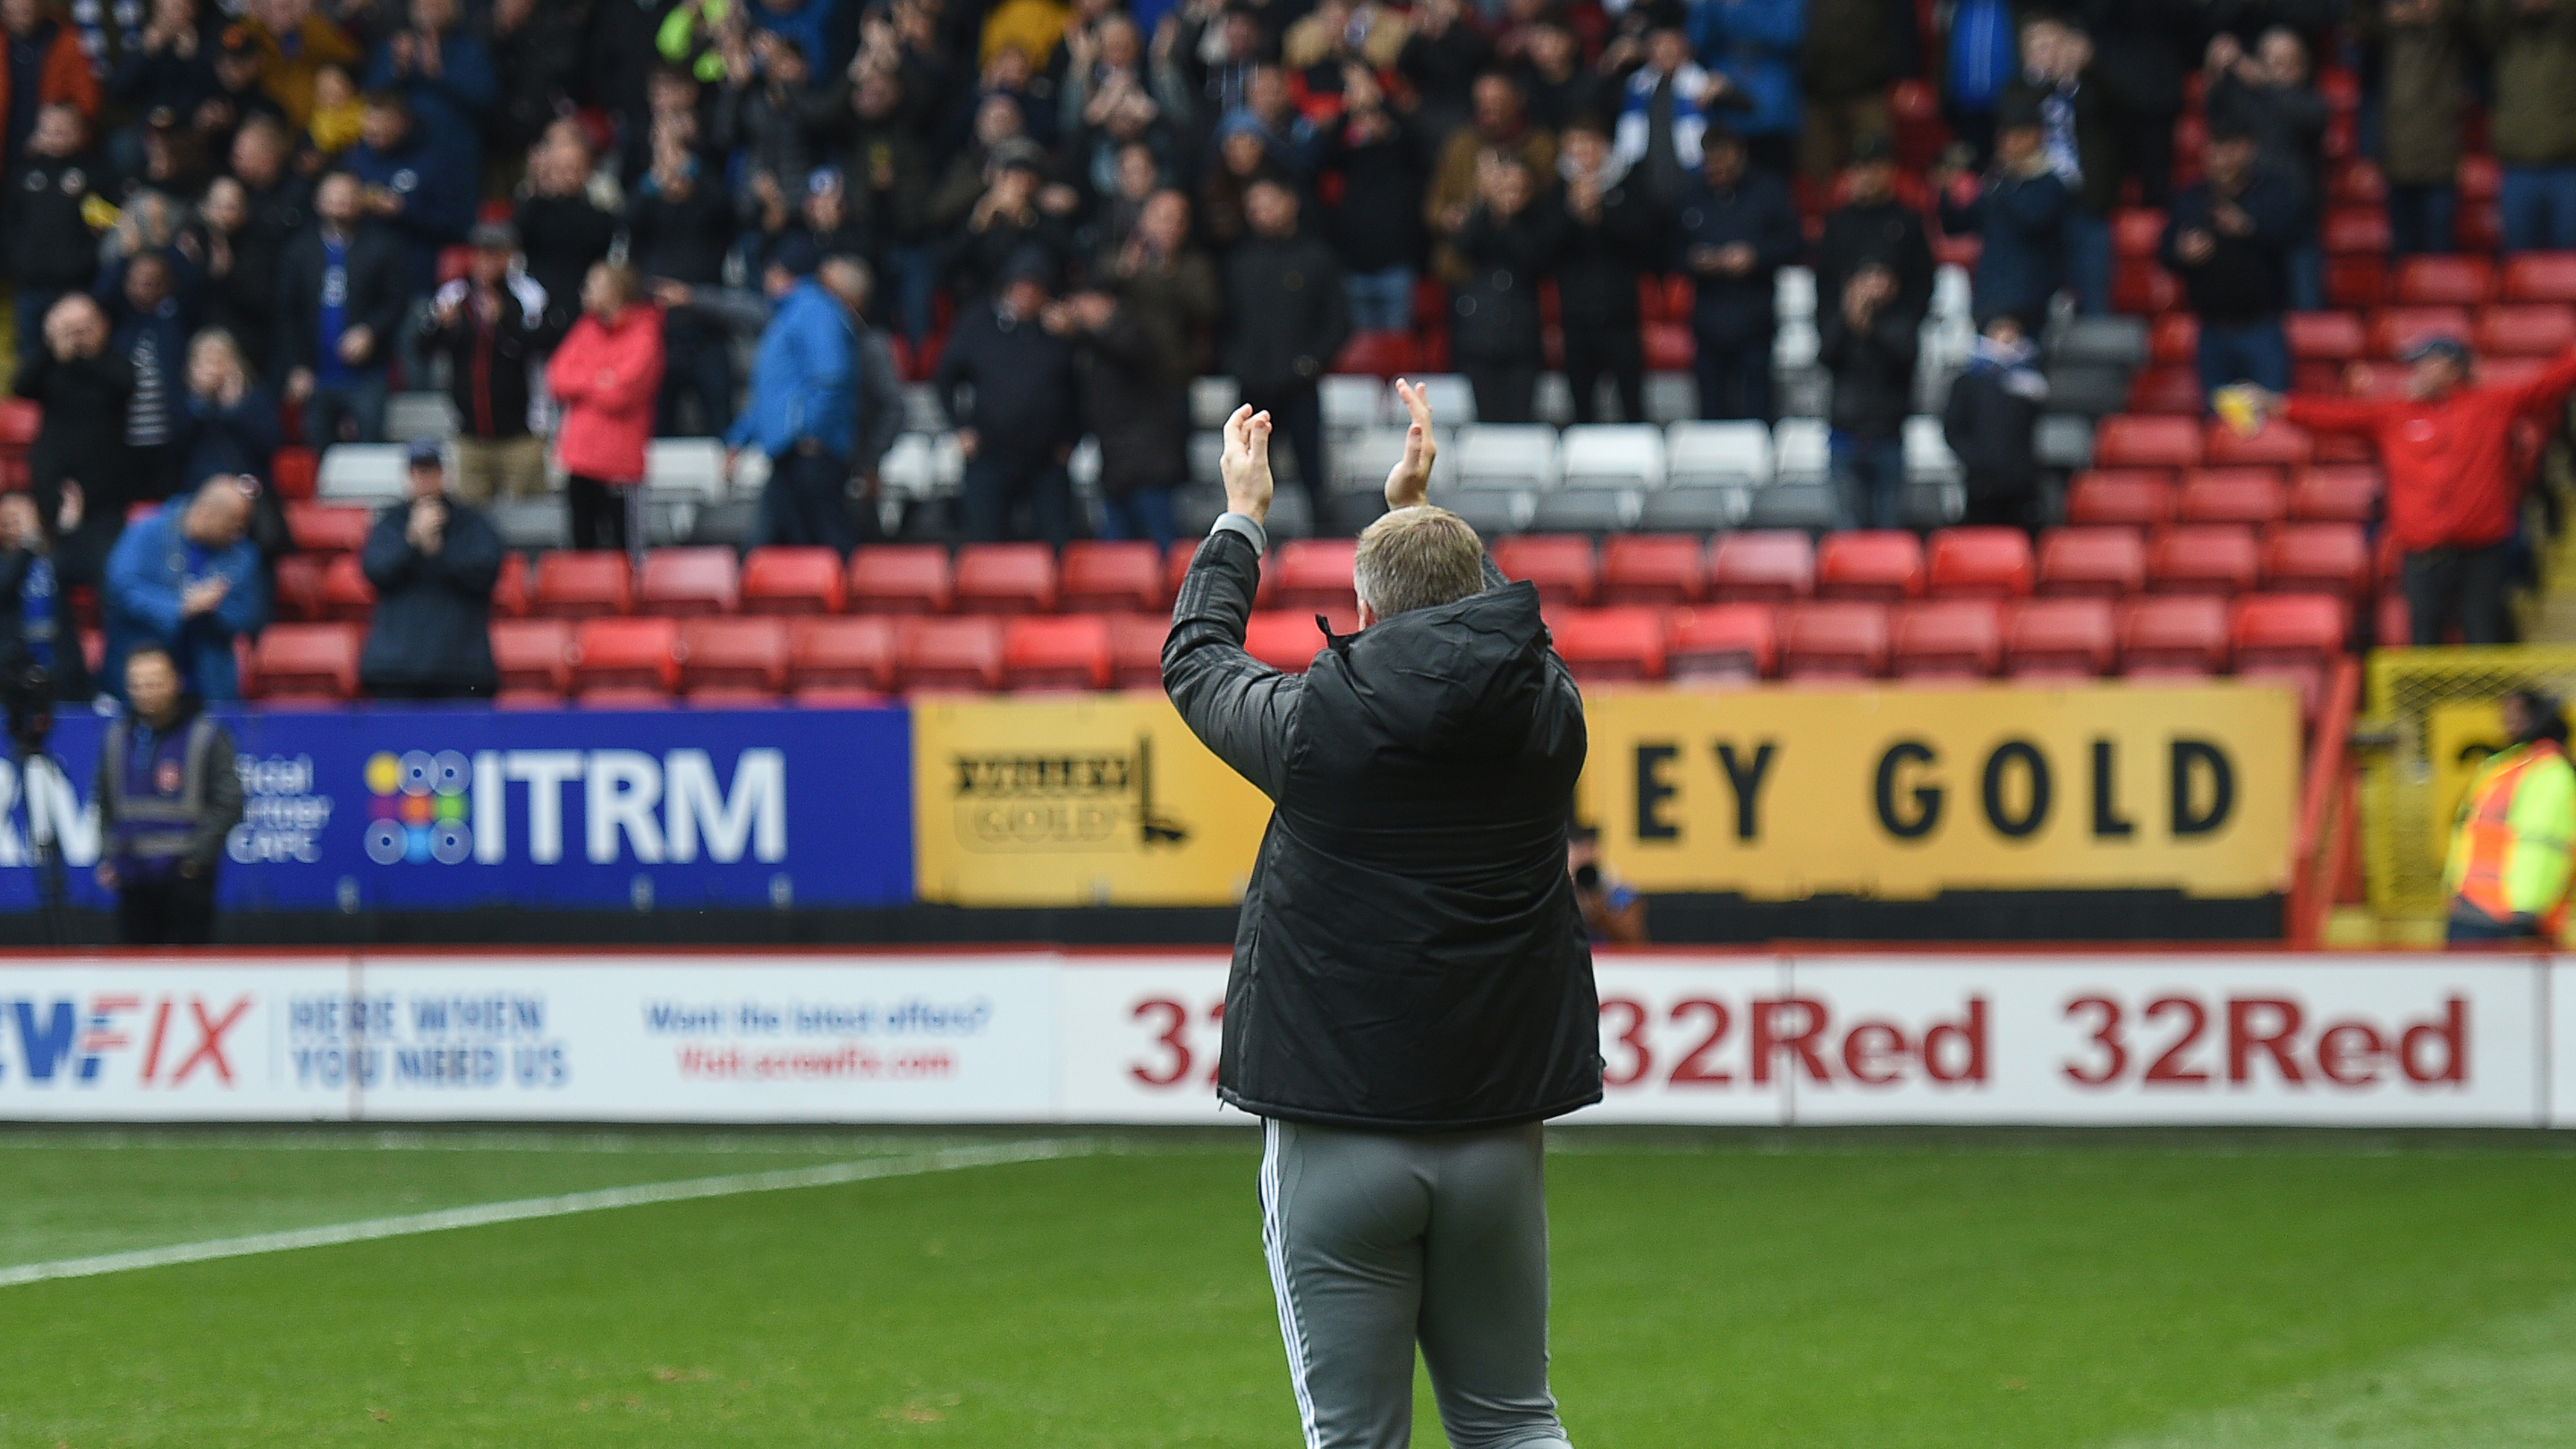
1417 558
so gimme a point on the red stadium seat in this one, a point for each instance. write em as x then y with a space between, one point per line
792 581
299 587
2166 392
2207 558
2316 558
1607 646
309 662
1880 565
2144 290
2126 442
1104 578
2136 231
346 595
1652 568
1066 652
1283 639
1315 577
1981 563
2394 329
1006 578
2479 227
328 528
1761 566
1385 354
1720 643
2357 281
899 578
2173 340
681 582
950 655
510 590
2353 229
2443 281
2526 330
295 472
2105 562
533 656
2134 498
21 419
2391 622
625 655
1136 650
1948 639
2297 637
2335 493
2325 336
2278 444
2341 90
1833 641
744 658
2540 277
1669 346
2481 178
844 657
2174 637
1562 565
581 585
2357 183
2060 639
2232 495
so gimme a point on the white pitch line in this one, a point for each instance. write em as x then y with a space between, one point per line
522 1209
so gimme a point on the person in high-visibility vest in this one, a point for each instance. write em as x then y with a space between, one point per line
2508 875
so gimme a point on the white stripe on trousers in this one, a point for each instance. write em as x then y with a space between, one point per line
1274 1245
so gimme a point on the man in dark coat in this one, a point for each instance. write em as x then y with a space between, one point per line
1868 345
51 248
342 290
1613 237
490 325
2019 208
1014 354
1412 989
1288 316
2229 241
562 232
1872 224
80 448
1991 423
433 561
1737 230
1508 243
1136 368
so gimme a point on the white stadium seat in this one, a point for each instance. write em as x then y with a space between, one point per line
1613 456
363 473
1801 450
1351 403
1507 456
1718 453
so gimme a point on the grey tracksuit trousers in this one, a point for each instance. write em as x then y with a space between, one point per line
1379 1240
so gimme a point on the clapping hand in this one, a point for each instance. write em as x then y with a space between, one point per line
1245 464
1407 481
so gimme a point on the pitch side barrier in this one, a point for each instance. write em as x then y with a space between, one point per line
1021 1036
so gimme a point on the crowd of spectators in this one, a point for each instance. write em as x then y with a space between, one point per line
226 224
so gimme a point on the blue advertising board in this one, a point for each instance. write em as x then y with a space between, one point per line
427 809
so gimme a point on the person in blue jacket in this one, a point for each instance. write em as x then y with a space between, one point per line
803 409
444 72
186 578
411 184
1736 229
1755 44
2020 209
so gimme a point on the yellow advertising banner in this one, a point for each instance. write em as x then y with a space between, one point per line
1083 800
1779 794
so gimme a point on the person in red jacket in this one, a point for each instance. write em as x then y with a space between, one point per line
606 375
2454 481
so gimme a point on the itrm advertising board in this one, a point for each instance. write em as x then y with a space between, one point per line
1687 1038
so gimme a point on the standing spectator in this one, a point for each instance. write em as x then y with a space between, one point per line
1755 45
1979 63
2534 45
79 454
229 425
2142 50
342 290
803 410
35 619
2228 239
764 110
820 225
1376 224
238 281
186 578
1287 318
339 115
295 41
52 248
2507 871
1552 74
1867 342
2019 208
606 376
444 75
168 794
42 66
1130 404
2267 95
1737 230
1992 422
1501 124
1851 59
2076 135
563 233
490 324
1613 238
2423 58
1013 353
1508 244
172 65
679 228
1664 117
279 201
1873 223
889 180
1442 58
412 185
1005 222
143 309
433 560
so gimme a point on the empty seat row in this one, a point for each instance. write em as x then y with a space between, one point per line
2152 497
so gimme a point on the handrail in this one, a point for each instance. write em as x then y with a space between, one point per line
2316 870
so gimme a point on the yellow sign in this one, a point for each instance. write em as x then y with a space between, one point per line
1088 800
1784 793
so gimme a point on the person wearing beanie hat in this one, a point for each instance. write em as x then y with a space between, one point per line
1007 380
433 560
2019 208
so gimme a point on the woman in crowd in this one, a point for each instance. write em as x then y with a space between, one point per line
606 376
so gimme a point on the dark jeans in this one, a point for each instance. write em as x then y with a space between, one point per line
995 486
2307 274
1869 482
2000 502
601 513
2420 219
2462 584
2469 926
352 413
1300 419
2258 352
2088 261
1145 513
2539 205
806 503
1734 379
178 911
697 366
1592 351
1506 392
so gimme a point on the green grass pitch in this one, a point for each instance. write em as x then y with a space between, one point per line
1999 1290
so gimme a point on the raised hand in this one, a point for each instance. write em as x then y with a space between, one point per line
1245 465
1411 476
